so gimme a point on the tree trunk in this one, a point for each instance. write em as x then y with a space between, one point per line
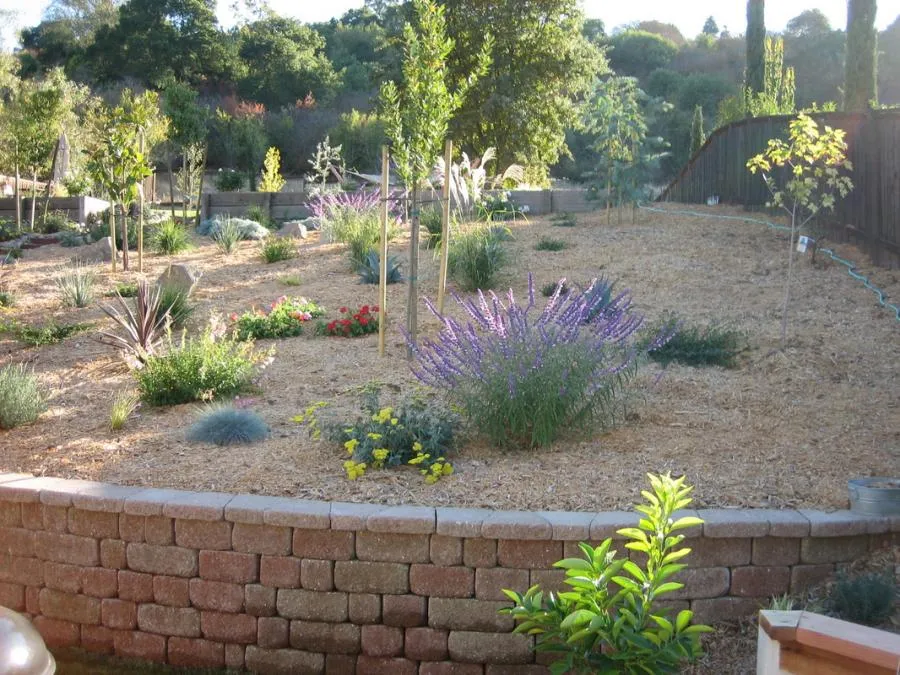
787 286
200 187
608 201
171 190
112 234
861 56
140 232
18 196
124 237
412 303
33 197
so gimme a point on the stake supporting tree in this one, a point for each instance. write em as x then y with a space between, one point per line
383 250
445 226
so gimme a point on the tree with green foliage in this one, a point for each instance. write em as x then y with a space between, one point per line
776 96
813 165
245 136
698 135
283 61
188 129
417 115
816 53
542 66
710 27
157 40
638 53
118 163
860 78
756 46
889 63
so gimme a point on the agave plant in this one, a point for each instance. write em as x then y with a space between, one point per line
370 269
144 326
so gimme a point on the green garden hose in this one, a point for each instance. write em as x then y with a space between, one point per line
851 268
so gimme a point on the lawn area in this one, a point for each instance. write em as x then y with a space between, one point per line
785 429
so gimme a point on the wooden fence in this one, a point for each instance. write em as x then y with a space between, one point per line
869 215
288 205
77 209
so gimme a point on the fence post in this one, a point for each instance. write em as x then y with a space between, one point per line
445 227
383 251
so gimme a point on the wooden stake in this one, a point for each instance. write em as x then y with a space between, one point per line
383 252
445 227
140 232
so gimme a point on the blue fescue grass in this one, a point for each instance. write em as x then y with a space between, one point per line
227 425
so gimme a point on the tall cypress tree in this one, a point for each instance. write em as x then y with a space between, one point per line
756 45
698 135
861 60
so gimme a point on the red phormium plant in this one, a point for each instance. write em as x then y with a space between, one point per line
363 322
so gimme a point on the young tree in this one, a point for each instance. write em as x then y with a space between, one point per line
245 135
698 135
861 59
272 180
813 163
188 127
417 115
756 45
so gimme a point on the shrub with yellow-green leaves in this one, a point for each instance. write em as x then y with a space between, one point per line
417 433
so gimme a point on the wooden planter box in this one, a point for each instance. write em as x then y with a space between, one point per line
803 643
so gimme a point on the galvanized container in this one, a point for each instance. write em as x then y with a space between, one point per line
875 496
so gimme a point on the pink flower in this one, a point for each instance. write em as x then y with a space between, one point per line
233 316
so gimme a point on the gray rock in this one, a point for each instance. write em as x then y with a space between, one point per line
293 228
100 250
180 276
312 223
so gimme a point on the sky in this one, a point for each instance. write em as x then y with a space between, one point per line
688 15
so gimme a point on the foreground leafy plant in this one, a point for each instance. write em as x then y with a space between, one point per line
362 322
550 244
596 629
285 318
21 398
170 238
713 345
522 379
48 334
176 301
275 249
199 369
227 425
866 598
476 258
227 236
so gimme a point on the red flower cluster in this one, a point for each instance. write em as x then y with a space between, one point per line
362 322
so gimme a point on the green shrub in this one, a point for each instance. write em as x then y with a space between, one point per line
866 599
257 213
714 345
594 629
76 285
229 180
431 221
171 238
197 369
370 270
275 249
7 299
476 258
550 244
227 236
289 279
126 289
21 399
123 405
227 425
177 303
48 334
72 239
360 230
549 288
285 318
57 221
563 220
360 136
418 432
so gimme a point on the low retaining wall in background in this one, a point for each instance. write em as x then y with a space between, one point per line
277 585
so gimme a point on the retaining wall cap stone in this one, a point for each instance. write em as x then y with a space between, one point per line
403 520
104 497
516 525
349 516
786 523
461 522
45 489
198 505
606 524
733 523
568 525
280 511
10 477
835 523
150 502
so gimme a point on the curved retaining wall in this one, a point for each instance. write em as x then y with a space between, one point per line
277 585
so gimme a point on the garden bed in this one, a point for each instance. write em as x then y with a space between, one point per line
787 429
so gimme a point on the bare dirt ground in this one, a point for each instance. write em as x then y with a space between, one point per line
787 429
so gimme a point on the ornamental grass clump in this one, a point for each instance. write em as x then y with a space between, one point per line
352 218
522 377
227 425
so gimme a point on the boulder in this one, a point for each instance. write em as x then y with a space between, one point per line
293 228
180 276
99 251
312 223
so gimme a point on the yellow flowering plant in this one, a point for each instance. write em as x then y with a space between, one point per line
418 433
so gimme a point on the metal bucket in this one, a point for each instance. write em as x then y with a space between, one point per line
875 496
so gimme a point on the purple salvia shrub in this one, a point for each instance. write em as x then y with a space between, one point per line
524 376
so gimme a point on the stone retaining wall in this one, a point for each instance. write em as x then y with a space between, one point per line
277 585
